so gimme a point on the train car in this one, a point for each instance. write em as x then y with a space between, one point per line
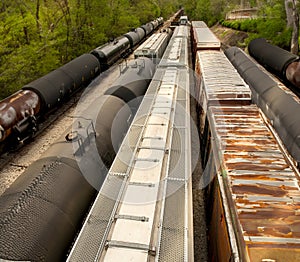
176 17
280 107
148 28
172 19
182 32
41 212
122 46
109 53
64 81
133 82
160 21
203 37
183 20
154 46
155 24
254 191
19 114
143 211
279 61
217 85
134 37
177 51
199 24
252 187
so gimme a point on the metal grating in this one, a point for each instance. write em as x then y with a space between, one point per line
174 242
133 135
176 53
159 139
178 154
173 235
93 233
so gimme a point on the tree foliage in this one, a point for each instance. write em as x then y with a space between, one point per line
37 36
209 11
278 20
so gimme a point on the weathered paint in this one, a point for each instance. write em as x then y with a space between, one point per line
262 190
219 85
203 38
16 108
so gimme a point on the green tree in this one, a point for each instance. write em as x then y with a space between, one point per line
37 36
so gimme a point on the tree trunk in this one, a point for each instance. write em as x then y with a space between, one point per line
242 4
64 6
37 18
289 12
293 22
25 30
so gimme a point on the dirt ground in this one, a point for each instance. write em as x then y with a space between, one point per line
230 37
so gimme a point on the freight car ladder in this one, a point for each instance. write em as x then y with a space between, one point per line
144 209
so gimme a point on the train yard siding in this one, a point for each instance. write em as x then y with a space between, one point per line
238 199
252 186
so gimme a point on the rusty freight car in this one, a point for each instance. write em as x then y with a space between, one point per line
252 187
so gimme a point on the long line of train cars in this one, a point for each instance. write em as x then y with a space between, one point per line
19 113
43 209
144 209
249 145
41 212
251 183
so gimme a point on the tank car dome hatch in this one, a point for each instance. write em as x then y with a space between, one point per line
132 85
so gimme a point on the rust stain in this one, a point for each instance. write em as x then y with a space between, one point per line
265 190
16 108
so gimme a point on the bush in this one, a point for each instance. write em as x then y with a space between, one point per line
271 29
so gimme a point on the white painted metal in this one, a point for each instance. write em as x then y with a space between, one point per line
134 225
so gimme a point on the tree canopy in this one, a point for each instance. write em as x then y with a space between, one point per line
37 36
